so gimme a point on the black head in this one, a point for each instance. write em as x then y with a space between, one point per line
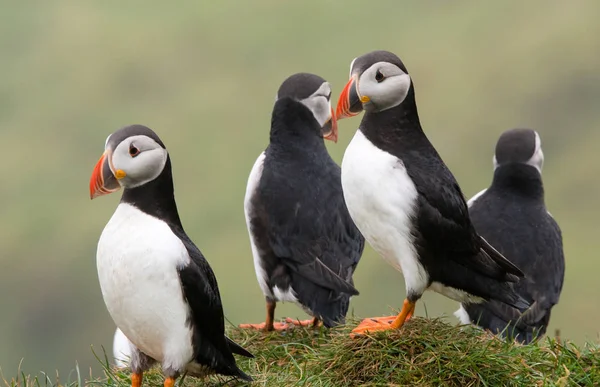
519 146
378 81
133 156
313 92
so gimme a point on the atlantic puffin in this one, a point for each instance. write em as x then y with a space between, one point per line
304 243
157 286
406 202
512 216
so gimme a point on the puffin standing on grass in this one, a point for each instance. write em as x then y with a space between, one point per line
305 245
407 203
156 284
512 216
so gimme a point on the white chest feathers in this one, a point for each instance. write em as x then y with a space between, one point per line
137 262
382 200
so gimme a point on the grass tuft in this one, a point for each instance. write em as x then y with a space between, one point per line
425 352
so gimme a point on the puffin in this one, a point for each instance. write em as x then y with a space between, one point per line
121 349
406 202
512 216
304 243
157 286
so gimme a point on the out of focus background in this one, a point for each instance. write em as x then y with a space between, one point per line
204 76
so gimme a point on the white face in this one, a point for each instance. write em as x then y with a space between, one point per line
537 160
140 158
319 103
382 86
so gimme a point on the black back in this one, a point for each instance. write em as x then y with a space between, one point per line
199 285
512 216
302 224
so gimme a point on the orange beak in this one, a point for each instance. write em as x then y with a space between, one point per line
349 103
103 181
332 135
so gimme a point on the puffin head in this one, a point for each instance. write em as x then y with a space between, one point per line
315 93
133 156
519 146
378 81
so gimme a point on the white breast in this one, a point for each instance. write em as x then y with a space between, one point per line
251 187
381 199
137 262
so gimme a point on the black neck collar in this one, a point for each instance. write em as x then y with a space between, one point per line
520 178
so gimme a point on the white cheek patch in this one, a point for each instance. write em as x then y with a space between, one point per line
320 108
351 65
145 167
537 160
319 105
387 94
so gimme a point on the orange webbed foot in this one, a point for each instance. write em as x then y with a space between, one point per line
263 327
375 324
315 323
385 323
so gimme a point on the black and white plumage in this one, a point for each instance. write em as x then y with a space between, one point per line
156 284
512 216
406 202
304 243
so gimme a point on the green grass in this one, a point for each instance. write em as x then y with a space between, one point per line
425 352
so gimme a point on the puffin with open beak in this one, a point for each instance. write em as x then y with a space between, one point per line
156 284
304 243
406 202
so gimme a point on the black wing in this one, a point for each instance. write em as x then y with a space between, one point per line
443 220
200 289
533 241
308 225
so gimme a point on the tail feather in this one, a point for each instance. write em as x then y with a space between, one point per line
482 316
329 306
318 273
237 349
513 273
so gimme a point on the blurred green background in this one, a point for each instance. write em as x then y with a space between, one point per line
204 76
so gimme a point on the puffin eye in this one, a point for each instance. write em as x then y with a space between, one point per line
379 76
133 151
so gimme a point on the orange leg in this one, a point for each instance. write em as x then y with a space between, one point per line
136 380
385 323
269 324
169 382
315 322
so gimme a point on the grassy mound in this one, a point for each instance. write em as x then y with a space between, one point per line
425 352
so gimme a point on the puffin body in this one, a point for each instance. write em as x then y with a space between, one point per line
304 243
406 202
512 216
156 284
